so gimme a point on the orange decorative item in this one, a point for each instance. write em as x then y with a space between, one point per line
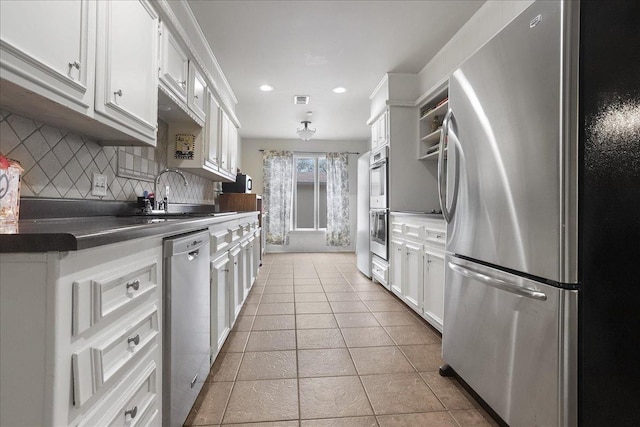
10 171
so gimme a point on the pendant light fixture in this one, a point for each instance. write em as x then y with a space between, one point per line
306 133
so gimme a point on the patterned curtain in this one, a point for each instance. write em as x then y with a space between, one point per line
278 195
338 233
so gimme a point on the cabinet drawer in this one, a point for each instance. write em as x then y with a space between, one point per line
95 298
435 237
396 229
220 240
134 402
235 232
111 355
413 230
380 272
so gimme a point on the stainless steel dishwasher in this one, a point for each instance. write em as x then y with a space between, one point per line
186 324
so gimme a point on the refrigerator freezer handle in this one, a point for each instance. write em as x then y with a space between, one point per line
441 179
497 283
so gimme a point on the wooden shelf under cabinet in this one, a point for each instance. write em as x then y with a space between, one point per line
240 202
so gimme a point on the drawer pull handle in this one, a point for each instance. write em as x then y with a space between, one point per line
135 285
118 92
135 340
74 64
131 412
438 236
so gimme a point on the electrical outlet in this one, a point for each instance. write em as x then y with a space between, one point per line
99 185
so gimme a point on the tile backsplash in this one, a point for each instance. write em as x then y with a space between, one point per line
60 164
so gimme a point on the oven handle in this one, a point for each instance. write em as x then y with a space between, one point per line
378 164
374 224
375 220
383 158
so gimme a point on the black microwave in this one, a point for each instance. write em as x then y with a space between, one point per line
243 184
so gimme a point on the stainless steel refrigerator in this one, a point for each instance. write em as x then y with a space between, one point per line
541 196
363 251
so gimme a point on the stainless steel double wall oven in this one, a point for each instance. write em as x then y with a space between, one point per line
378 204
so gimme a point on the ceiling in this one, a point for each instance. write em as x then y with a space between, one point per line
311 47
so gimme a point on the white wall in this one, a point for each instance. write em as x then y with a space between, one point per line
484 24
304 241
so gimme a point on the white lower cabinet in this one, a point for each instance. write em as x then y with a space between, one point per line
395 265
241 288
81 336
234 267
406 272
250 261
81 331
134 402
237 289
433 285
412 272
221 302
417 264
257 255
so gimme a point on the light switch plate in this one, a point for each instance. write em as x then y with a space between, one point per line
99 185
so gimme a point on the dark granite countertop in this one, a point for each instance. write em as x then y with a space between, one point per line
72 234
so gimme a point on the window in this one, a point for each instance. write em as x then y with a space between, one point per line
310 193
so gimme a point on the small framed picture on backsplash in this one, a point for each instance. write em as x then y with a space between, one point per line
185 146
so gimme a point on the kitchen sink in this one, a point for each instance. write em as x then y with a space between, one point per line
178 215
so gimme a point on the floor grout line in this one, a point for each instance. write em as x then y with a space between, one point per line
343 276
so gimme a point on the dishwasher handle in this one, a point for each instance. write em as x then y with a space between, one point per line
193 255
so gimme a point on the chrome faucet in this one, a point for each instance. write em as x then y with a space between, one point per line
165 202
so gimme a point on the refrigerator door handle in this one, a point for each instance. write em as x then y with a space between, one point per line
497 283
448 214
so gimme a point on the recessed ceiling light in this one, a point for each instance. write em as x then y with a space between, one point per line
339 89
266 88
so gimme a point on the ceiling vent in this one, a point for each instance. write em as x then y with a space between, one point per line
301 99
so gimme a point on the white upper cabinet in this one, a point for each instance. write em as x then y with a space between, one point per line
47 47
225 125
213 132
215 145
379 132
233 149
126 67
197 92
96 67
229 146
174 64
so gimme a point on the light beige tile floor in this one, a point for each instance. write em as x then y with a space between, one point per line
317 344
